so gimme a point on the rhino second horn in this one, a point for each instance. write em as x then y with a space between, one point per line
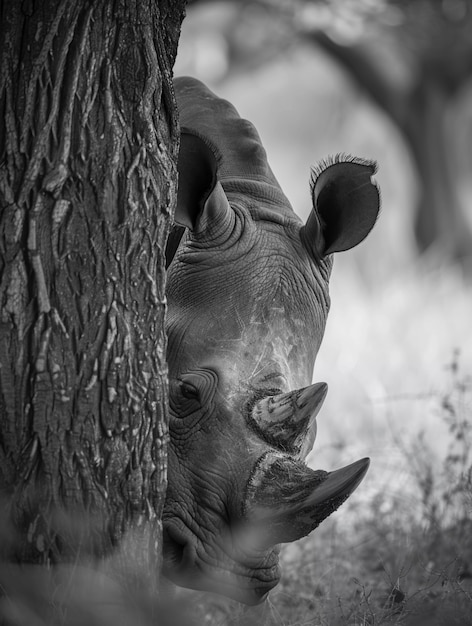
288 420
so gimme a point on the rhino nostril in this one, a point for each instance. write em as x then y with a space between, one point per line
177 550
172 551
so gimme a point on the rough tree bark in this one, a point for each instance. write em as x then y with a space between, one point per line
88 145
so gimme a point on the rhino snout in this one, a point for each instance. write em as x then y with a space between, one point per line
186 564
178 552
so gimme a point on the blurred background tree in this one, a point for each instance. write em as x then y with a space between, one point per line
412 59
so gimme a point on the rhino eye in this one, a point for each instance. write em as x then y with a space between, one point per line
189 391
192 391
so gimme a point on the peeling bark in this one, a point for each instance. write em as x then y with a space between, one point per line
88 150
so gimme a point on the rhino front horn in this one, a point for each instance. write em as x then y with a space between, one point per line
286 500
288 420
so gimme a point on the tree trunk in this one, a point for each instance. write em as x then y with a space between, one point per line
439 222
88 146
419 113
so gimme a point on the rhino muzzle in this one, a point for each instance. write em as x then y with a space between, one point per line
185 567
279 501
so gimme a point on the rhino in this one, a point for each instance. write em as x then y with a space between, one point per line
247 292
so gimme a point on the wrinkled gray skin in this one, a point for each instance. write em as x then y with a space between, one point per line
247 306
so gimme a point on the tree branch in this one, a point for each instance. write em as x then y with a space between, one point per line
374 78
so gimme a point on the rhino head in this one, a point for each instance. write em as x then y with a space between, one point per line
247 305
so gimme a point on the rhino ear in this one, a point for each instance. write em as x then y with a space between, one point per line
346 204
200 197
173 242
